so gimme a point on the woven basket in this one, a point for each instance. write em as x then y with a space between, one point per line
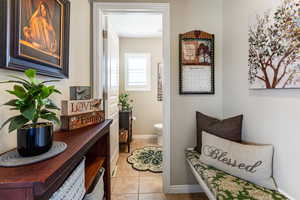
97 192
123 136
73 188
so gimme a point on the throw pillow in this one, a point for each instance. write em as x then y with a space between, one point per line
253 163
230 128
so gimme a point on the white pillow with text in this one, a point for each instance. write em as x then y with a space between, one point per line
253 163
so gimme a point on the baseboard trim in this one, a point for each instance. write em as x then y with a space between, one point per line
114 172
113 161
183 189
145 137
286 194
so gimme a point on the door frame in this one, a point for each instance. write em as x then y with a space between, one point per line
99 8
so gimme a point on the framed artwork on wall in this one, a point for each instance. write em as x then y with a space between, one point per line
274 43
160 82
196 63
35 35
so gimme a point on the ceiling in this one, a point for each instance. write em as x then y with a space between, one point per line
137 25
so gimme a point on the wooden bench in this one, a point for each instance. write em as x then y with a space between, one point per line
219 185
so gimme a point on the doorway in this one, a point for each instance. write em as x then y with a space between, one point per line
100 11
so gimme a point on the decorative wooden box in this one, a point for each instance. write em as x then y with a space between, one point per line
82 120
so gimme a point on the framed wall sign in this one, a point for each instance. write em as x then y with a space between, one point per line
35 34
160 82
196 60
80 93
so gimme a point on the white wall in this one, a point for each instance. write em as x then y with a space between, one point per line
270 116
146 108
79 67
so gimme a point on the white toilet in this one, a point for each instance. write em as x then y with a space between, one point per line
158 128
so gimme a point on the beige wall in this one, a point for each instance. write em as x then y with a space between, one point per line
79 66
146 108
187 15
270 116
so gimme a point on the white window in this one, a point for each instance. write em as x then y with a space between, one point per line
137 71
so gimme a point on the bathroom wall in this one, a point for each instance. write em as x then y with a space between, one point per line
146 108
270 116
79 68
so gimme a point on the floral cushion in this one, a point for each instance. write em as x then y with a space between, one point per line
226 187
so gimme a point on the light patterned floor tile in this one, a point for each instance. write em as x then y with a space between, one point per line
124 197
130 184
150 185
125 185
153 196
151 174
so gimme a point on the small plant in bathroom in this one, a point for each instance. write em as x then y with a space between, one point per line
33 103
124 102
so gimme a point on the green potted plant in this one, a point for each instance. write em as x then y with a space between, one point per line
124 102
33 103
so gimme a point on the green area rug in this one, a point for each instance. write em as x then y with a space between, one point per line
146 159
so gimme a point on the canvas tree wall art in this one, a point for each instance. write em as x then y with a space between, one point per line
274 47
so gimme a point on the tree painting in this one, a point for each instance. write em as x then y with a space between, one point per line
274 47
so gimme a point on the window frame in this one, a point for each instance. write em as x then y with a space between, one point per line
139 88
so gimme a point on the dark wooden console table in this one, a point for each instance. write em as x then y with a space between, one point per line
39 181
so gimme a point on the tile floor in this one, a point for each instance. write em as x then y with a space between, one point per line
129 184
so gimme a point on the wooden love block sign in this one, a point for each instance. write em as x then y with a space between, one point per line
80 106
73 122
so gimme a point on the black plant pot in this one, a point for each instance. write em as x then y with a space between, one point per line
33 141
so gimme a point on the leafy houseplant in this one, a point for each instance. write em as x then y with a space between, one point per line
124 102
32 100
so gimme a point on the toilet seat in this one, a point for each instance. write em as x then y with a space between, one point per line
158 127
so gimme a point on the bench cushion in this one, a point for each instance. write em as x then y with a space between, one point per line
226 187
